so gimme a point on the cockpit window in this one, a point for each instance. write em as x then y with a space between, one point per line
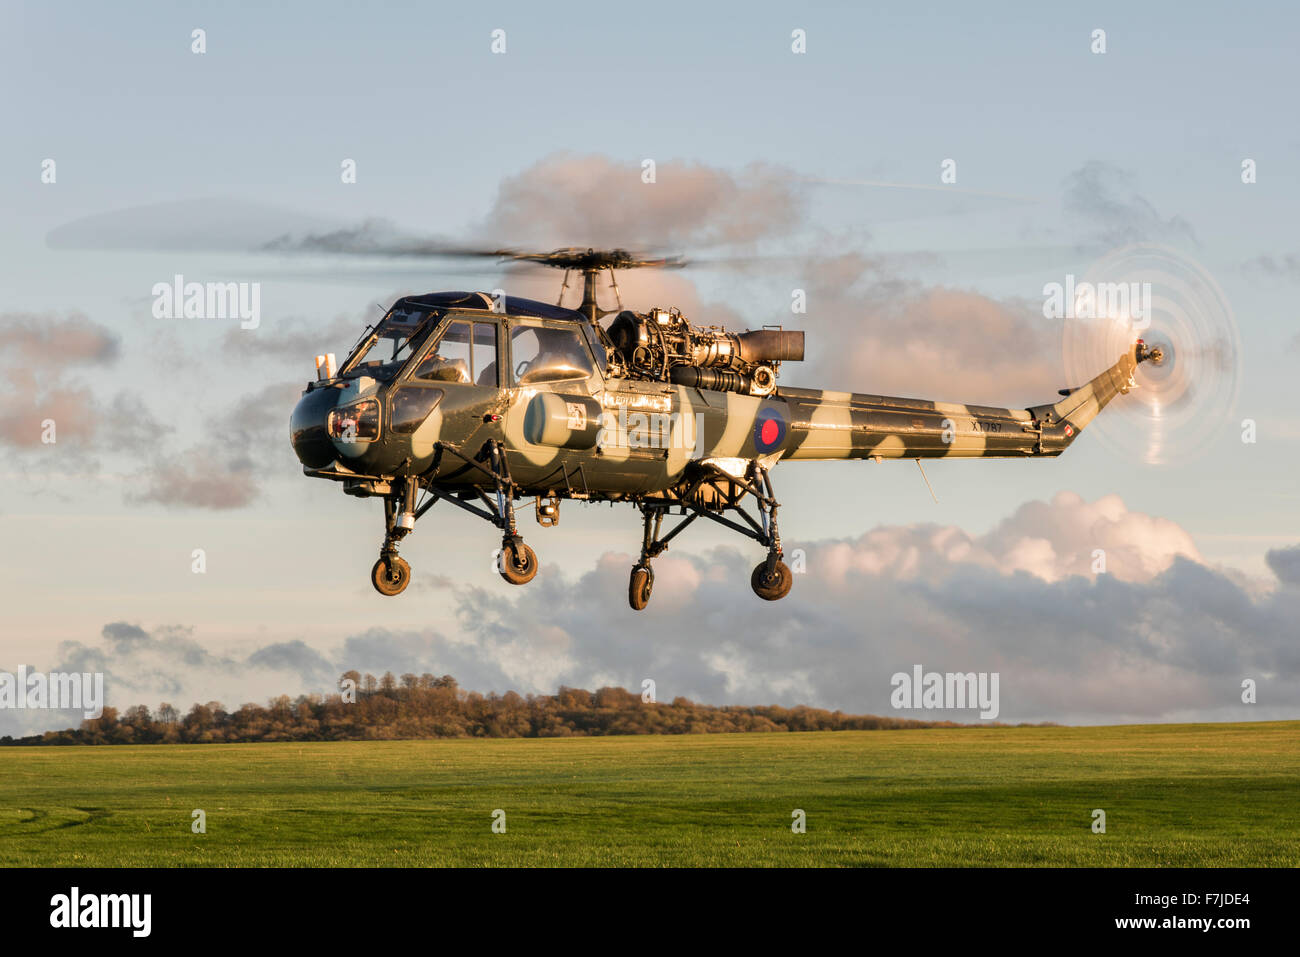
548 354
397 337
466 352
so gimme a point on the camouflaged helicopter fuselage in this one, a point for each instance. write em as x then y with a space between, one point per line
650 432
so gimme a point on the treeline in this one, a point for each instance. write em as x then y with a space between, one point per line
388 708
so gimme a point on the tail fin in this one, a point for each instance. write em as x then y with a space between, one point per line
1063 421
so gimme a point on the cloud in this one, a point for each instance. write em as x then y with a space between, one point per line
1285 563
39 357
870 328
1051 541
1159 636
1095 192
1055 540
243 444
44 341
293 343
149 665
297 658
873 333
566 199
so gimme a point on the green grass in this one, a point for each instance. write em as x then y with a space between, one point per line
1180 795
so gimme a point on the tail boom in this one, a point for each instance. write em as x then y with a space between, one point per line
850 425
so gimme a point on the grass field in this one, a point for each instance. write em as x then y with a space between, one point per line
1182 795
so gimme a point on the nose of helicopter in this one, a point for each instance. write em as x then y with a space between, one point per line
308 430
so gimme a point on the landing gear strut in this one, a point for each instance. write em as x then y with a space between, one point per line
391 574
642 581
516 562
712 492
771 579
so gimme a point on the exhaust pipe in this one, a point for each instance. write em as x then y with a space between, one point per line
771 345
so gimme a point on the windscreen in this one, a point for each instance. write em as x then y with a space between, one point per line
398 335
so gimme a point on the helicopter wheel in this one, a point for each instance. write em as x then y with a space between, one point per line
391 575
518 563
774 586
640 586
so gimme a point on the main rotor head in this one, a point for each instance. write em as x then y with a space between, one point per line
590 262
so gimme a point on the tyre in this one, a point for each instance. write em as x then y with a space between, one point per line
774 586
518 564
640 586
391 575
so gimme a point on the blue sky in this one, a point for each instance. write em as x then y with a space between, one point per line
437 124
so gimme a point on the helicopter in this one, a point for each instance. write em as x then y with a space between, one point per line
483 401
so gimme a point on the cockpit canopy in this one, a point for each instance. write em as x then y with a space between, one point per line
466 350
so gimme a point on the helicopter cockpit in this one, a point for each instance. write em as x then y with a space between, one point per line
547 343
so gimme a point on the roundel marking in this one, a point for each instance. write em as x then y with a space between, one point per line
769 430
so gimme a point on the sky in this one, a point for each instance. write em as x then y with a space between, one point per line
820 171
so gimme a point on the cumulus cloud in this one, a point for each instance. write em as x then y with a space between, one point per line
1050 541
567 199
1158 636
870 332
871 329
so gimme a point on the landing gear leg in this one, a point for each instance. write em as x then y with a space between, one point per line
771 578
715 494
517 563
643 577
391 574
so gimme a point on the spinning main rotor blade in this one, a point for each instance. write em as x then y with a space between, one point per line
233 226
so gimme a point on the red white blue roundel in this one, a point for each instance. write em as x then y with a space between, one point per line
769 430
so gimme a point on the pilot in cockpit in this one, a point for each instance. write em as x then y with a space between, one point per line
437 368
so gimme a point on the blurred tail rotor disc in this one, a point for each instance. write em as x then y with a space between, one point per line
1155 293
